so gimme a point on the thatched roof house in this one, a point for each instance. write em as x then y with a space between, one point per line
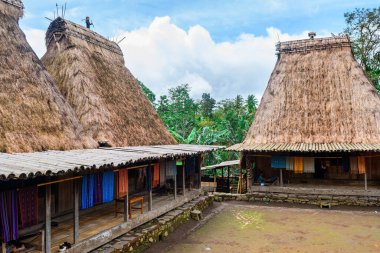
319 115
318 99
34 114
90 72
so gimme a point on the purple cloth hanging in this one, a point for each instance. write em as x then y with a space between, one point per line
98 196
28 204
9 215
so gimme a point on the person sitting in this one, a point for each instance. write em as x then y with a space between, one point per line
263 181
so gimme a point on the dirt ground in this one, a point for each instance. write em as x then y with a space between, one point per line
235 227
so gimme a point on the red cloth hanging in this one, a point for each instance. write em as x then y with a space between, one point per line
156 175
122 183
28 204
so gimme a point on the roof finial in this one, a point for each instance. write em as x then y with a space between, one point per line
312 35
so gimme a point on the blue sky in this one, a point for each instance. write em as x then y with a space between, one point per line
224 25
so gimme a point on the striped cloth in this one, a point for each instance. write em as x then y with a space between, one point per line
278 162
289 163
354 170
9 215
28 204
98 198
156 175
108 183
361 164
171 168
88 185
308 165
122 184
298 165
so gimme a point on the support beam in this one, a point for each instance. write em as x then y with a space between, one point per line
175 183
150 206
76 212
228 179
150 199
215 180
365 181
48 219
126 214
281 179
183 179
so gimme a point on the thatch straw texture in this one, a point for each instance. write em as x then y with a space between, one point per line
34 115
91 74
317 94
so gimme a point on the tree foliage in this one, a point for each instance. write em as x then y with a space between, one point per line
207 122
363 27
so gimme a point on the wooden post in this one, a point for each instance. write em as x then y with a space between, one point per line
126 212
3 247
175 183
281 179
183 178
43 240
365 181
200 172
150 204
48 219
214 179
228 179
76 212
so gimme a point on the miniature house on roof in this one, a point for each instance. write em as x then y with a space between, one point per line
91 74
318 103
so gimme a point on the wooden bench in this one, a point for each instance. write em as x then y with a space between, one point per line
130 202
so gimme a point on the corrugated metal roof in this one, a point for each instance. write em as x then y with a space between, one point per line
24 165
222 164
306 147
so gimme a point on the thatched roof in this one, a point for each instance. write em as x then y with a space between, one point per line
34 115
91 74
318 99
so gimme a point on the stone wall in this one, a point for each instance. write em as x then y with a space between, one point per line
144 236
301 198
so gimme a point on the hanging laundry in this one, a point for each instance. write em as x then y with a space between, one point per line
361 164
156 175
149 178
88 185
28 206
9 215
108 182
309 165
278 162
346 163
122 183
98 198
298 165
354 169
289 163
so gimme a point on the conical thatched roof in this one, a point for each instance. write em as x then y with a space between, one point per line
318 99
91 74
34 115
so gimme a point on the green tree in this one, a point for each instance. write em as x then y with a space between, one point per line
148 93
207 105
363 27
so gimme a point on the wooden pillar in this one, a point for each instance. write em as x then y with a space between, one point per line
183 178
215 179
281 179
76 212
126 214
175 183
200 172
48 219
3 247
228 179
150 204
365 181
126 200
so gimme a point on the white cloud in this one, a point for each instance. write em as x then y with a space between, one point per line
163 55
36 39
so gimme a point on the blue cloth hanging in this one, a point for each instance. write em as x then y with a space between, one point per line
149 178
88 185
108 183
278 162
